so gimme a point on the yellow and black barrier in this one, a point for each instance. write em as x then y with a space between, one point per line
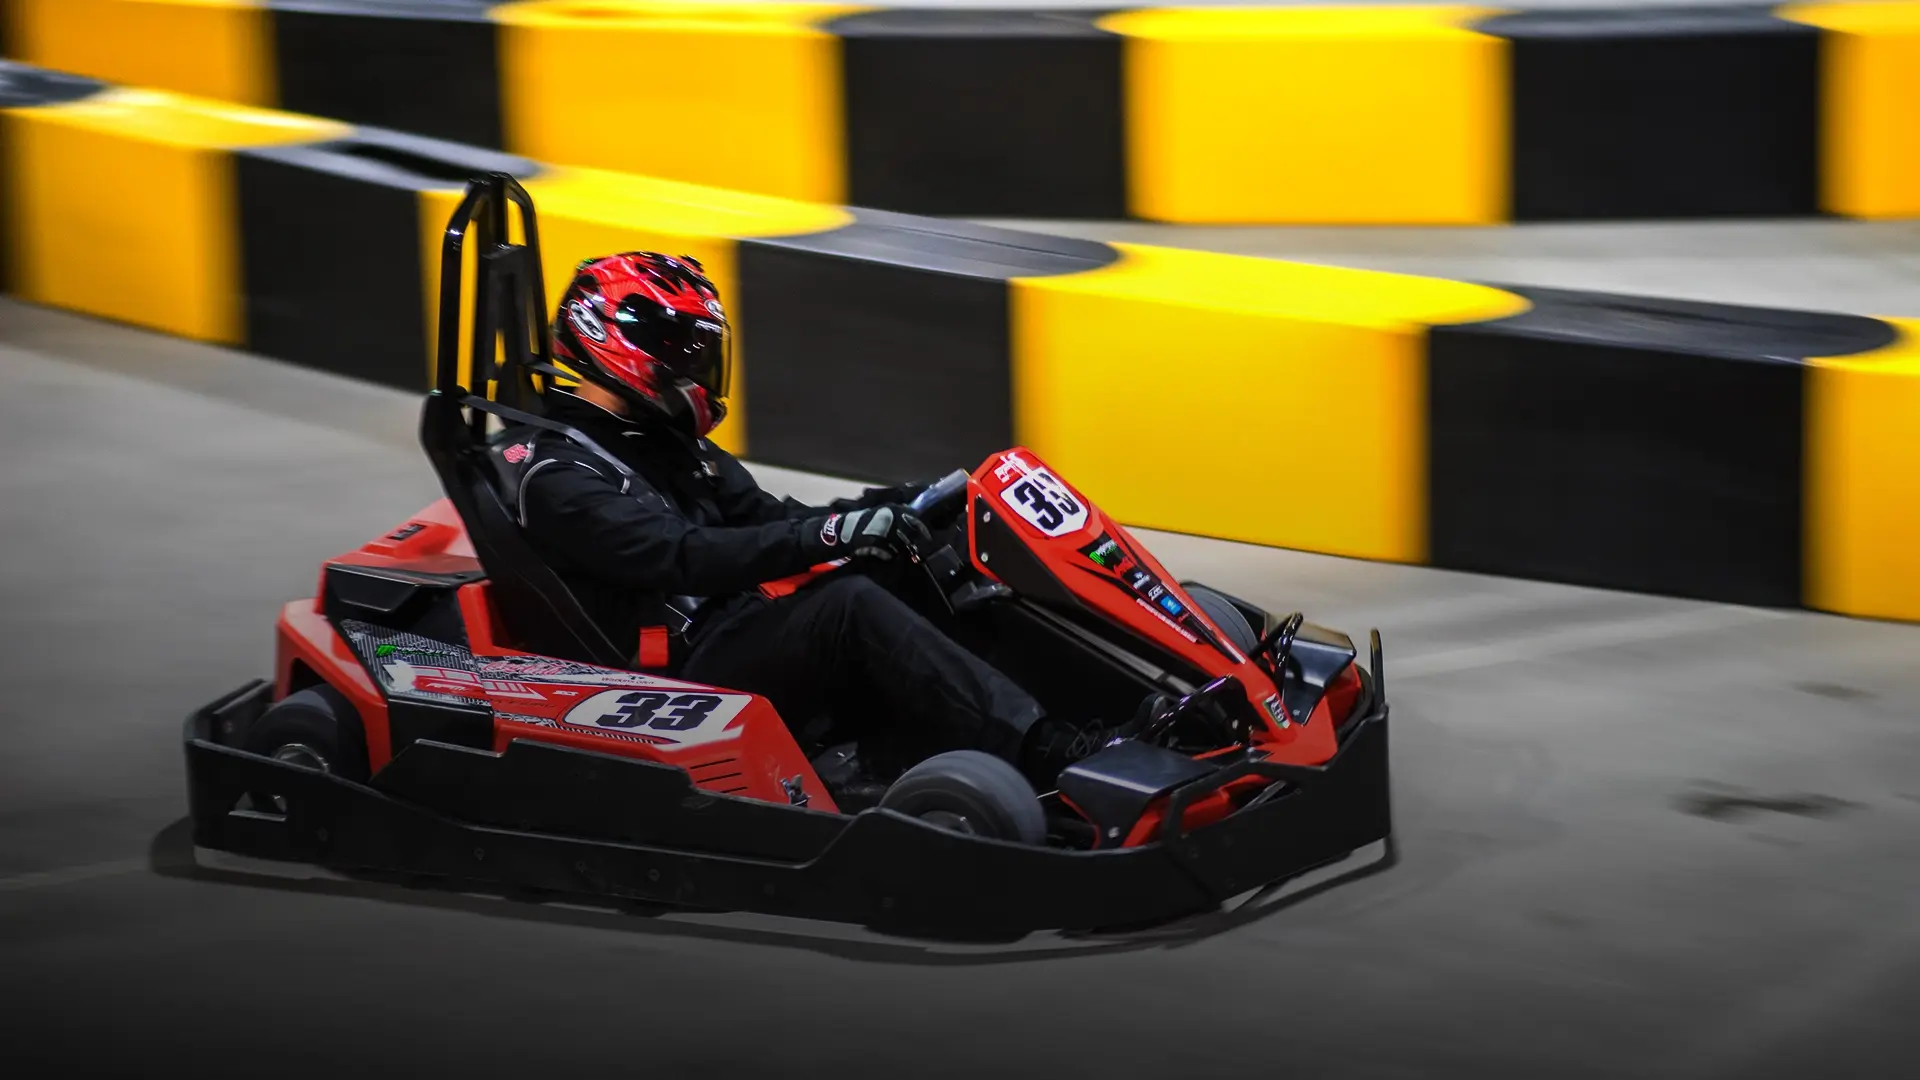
1434 114
1739 454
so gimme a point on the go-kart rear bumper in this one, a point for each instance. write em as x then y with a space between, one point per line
548 818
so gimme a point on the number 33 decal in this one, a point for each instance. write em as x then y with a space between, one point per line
671 716
1044 501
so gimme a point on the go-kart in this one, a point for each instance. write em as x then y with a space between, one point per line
444 709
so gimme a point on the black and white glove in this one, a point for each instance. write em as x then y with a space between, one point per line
874 532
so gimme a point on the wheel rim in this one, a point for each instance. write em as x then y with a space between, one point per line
302 755
950 821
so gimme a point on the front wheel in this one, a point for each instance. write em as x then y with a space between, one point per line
971 793
315 728
1223 614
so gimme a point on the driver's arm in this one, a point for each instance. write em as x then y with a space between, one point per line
742 499
636 539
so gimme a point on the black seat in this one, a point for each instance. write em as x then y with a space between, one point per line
539 612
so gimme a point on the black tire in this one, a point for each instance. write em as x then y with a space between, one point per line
316 727
970 792
1231 620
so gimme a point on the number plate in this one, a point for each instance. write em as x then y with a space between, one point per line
1045 503
683 718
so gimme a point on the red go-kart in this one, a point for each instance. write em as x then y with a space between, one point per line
444 709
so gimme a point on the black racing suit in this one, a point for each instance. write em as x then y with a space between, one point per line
695 524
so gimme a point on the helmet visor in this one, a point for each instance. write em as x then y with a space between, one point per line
697 348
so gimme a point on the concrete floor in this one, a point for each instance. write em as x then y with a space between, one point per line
1640 837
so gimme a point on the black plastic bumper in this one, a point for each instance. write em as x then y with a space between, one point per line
550 818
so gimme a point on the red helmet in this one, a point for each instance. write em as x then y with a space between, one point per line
651 329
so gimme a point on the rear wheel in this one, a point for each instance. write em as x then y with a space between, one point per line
1220 611
972 793
315 728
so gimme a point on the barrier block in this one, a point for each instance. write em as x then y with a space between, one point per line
125 206
1279 403
331 232
1628 442
430 67
1314 115
1661 112
1870 106
23 87
742 95
218 49
983 113
886 344
1863 480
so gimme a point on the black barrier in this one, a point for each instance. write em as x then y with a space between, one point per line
330 239
1656 113
1626 442
425 66
906 316
984 113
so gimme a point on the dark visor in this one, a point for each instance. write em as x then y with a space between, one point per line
692 347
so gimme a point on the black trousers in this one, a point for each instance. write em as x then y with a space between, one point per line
847 647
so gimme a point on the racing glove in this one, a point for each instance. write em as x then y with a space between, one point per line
874 532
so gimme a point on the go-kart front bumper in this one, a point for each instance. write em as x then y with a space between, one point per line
552 819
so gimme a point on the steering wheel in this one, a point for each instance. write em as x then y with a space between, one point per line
944 495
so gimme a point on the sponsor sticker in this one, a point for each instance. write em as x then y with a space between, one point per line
585 321
403 651
1275 711
1177 628
1106 554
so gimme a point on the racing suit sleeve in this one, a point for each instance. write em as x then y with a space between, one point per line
742 499
636 538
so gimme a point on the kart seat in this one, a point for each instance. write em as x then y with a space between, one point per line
539 612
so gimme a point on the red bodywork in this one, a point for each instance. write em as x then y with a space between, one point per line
742 747
1059 531
747 753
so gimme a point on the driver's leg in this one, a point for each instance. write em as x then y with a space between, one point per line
848 642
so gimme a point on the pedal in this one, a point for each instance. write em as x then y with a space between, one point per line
976 593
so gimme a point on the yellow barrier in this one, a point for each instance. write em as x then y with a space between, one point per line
1345 114
1863 481
585 213
1278 402
220 49
1870 102
124 206
743 95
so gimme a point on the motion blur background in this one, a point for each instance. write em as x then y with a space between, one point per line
1646 572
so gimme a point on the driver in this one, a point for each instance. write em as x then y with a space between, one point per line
643 351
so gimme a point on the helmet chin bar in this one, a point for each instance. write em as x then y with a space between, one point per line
690 412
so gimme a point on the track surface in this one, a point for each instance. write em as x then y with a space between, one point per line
1641 837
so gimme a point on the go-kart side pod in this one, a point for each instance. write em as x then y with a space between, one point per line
552 818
